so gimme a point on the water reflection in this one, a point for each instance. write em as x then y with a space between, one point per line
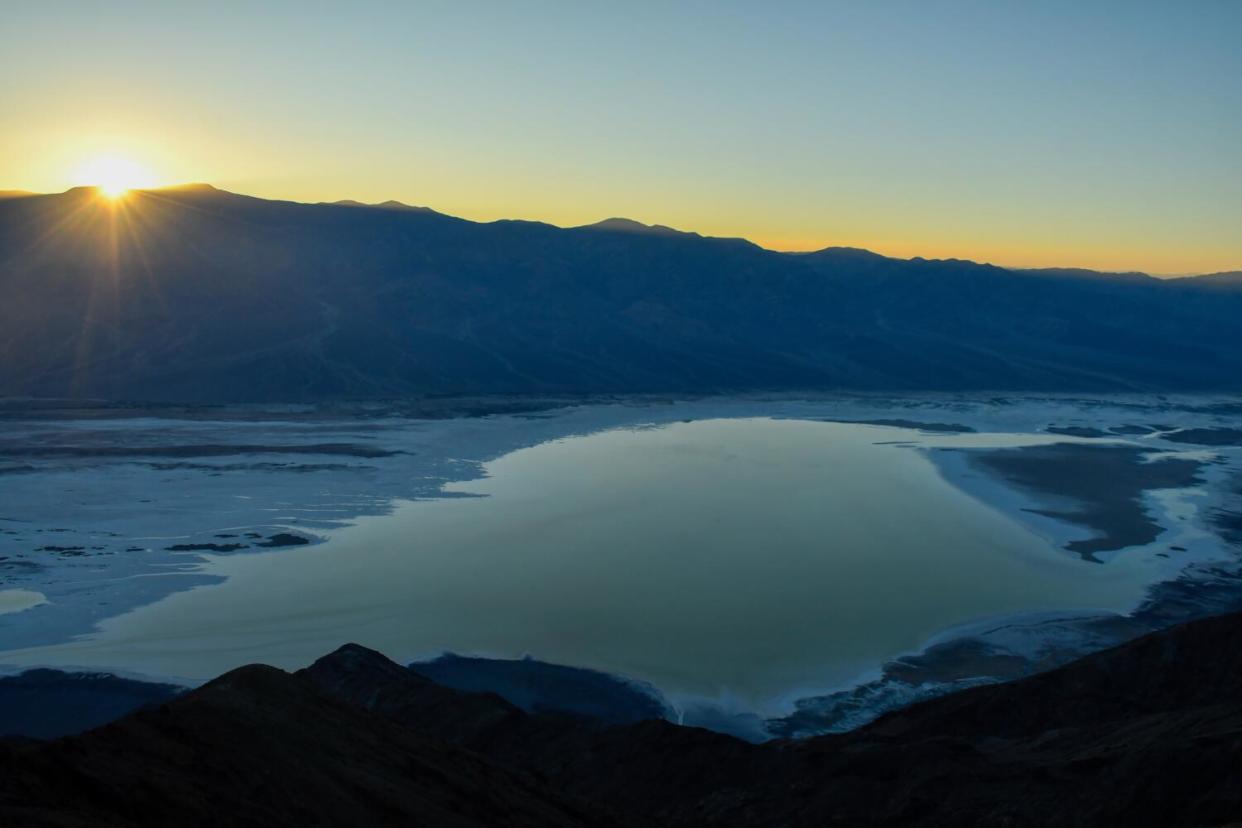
746 558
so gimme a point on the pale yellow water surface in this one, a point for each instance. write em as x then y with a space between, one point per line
743 558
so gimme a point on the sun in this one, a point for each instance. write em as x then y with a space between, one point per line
114 175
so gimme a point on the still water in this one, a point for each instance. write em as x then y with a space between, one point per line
740 559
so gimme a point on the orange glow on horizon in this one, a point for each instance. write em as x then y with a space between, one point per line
120 162
114 175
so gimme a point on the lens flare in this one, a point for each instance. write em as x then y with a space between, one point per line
114 175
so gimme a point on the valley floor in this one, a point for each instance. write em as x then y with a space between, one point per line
109 510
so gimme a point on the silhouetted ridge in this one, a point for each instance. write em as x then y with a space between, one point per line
353 668
192 187
260 747
214 297
1144 677
538 686
366 678
843 253
250 682
1148 733
1228 279
624 225
391 204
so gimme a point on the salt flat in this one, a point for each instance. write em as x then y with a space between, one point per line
750 558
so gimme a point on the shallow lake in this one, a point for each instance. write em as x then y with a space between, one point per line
749 560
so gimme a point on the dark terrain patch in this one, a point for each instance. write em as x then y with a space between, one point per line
537 686
1229 524
21 566
1132 430
284 539
47 704
1077 431
205 547
1207 436
204 450
216 469
1105 483
938 428
1143 734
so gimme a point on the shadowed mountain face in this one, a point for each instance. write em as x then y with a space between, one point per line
194 294
537 686
44 704
258 746
1149 733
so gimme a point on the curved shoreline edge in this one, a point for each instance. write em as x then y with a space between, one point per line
1201 582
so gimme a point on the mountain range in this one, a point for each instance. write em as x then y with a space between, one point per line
193 294
1148 733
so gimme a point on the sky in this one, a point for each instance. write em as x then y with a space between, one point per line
1093 134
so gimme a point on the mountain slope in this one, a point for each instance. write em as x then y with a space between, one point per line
261 747
195 294
1148 733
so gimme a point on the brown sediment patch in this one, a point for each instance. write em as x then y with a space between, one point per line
1103 484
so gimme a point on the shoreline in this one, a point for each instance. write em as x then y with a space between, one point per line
983 416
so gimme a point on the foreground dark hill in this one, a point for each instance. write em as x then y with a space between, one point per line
195 294
260 747
1149 733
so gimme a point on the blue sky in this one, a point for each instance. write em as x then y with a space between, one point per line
1102 134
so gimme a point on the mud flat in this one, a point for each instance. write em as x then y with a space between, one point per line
1099 487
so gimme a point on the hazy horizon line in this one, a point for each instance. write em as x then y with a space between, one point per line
349 201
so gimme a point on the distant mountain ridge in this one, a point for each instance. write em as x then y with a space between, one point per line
195 294
391 204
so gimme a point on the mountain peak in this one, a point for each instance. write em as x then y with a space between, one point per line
625 225
837 251
352 665
390 204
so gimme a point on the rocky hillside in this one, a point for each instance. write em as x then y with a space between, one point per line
1149 733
